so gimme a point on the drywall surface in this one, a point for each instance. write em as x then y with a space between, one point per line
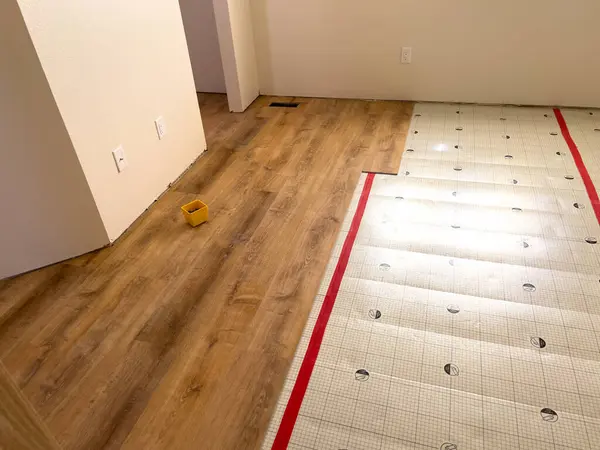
535 52
48 213
203 44
236 40
114 67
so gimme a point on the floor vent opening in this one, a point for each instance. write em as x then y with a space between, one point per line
284 105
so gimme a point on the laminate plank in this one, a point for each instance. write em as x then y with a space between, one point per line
20 426
177 337
388 145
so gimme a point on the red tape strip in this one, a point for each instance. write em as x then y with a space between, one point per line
585 176
292 409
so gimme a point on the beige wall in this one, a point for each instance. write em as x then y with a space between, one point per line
236 39
48 213
203 45
510 51
113 67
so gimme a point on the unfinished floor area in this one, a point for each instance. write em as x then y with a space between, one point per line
461 305
180 338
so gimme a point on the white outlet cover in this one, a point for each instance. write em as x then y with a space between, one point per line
406 55
120 158
161 127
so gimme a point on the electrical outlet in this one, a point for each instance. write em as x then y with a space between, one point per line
120 159
406 55
161 127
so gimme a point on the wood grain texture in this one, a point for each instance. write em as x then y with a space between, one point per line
177 337
20 426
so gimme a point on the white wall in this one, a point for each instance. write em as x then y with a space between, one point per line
48 213
236 40
203 45
510 51
113 67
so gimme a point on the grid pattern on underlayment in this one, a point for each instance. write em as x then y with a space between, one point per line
584 125
469 314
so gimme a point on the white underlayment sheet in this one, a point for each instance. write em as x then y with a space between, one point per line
469 314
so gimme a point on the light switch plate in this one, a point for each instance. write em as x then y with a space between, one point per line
120 159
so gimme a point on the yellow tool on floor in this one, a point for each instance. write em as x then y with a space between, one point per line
195 212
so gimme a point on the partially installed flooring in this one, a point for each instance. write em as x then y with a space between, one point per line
461 305
180 338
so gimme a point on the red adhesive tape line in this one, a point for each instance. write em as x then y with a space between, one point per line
292 409
585 176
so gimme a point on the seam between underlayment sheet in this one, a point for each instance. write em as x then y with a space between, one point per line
585 176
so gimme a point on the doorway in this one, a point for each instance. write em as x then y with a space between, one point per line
220 39
203 45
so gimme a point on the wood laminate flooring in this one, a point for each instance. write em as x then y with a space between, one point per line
178 337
